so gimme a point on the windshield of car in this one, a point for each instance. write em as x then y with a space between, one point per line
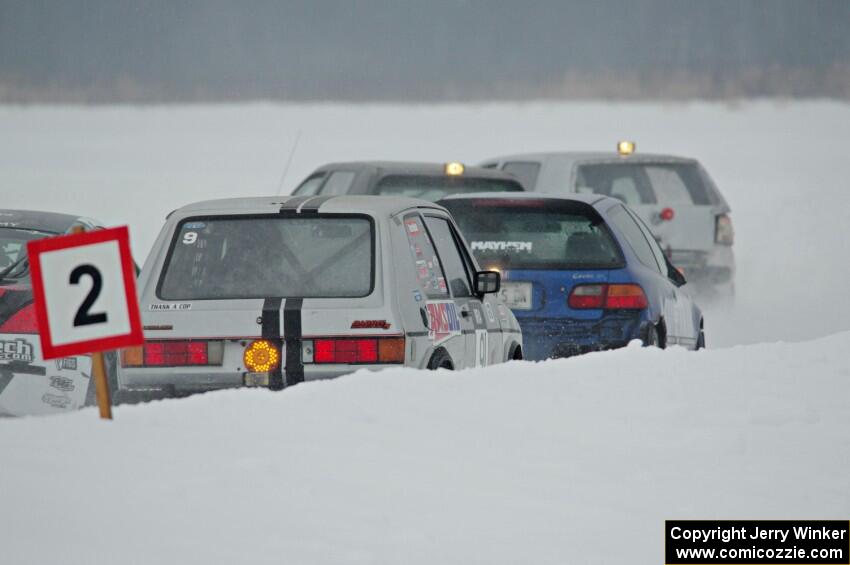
261 257
535 234
646 183
13 251
433 188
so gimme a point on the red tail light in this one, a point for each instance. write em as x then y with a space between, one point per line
22 322
667 214
625 297
370 350
174 353
607 296
585 296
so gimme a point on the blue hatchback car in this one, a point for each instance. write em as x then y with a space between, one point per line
580 272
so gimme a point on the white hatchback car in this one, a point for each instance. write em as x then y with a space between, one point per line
274 291
674 196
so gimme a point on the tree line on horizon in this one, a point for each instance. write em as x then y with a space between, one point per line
218 50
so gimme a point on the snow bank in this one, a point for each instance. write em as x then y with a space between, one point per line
569 461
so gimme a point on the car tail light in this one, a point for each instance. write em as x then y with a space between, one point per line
261 356
667 214
724 234
607 296
174 353
586 296
22 322
625 297
133 356
370 350
391 350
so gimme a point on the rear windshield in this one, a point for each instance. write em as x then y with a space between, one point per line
435 187
13 252
646 183
535 234
260 257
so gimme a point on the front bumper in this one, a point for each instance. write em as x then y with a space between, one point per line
546 338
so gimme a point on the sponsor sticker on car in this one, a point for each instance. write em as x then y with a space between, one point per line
513 246
443 321
16 350
170 306
412 226
69 363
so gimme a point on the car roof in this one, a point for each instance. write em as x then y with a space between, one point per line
413 168
592 199
594 156
381 206
38 221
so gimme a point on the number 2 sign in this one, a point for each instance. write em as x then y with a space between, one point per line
84 290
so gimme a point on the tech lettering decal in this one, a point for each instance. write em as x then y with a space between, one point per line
16 350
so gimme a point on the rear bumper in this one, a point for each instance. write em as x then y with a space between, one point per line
181 381
714 267
546 338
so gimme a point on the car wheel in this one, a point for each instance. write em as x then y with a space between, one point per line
701 338
440 360
653 337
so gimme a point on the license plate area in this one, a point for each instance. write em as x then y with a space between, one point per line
517 295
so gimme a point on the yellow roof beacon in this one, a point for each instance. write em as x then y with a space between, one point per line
625 148
454 169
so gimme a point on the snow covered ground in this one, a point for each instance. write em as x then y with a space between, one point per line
780 165
569 461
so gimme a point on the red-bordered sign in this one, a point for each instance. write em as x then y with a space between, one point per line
84 290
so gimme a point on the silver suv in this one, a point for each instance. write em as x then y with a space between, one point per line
674 196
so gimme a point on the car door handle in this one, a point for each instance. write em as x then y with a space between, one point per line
464 311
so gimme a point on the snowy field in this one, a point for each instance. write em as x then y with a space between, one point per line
521 463
569 461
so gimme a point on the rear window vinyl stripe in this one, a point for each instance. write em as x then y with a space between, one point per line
270 318
292 335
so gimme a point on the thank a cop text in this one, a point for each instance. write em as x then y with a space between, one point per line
762 541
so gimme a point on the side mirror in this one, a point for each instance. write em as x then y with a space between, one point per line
674 274
487 282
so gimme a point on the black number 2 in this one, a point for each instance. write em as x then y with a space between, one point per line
83 317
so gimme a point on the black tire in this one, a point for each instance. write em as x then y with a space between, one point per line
514 353
653 337
441 360
701 338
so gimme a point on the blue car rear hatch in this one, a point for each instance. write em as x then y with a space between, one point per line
548 249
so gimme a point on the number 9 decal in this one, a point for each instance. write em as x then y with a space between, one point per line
190 237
